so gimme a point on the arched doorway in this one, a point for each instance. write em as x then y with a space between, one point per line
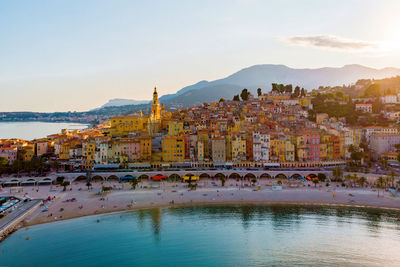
280 176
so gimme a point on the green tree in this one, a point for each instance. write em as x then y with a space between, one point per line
303 92
377 106
362 181
3 164
392 177
223 180
337 173
236 98
65 184
373 90
16 166
222 100
275 87
315 181
134 183
106 188
259 91
296 91
339 94
244 94
288 88
321 177
88 184
60 179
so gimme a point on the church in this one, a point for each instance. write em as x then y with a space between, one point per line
156 115
146 124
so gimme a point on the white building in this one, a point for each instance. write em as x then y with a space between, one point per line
389 99
367 108
261 146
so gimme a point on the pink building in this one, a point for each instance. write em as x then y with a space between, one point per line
9 152
42 147
130 149
312 145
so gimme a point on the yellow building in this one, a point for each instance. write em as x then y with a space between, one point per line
145 148
90 153
238 148
27 152
123 125
282 149
173 149
305 102
64 153
175 128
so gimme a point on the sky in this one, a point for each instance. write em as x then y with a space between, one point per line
75 55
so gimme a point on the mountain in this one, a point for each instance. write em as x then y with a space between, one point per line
117 102
262 76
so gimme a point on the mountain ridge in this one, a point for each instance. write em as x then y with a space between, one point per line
263 75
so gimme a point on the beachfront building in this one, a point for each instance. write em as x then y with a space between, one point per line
383 142
10 153
173 149
218 149
261 146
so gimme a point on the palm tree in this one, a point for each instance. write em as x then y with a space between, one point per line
88 184
337 173
223 180
392 177
65 184
380 183
362 181
348 178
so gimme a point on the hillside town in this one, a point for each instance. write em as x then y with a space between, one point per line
272 129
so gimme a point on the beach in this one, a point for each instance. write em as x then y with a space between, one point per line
79 201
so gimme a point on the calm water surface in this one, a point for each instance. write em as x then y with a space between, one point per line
213 236
32 130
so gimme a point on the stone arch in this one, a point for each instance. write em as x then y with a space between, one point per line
113 177
45 181
311 176
143 176
234 176
174 177
97 178
265 176
296 176
219 175
204 176
80 178
280 176
249 176
29 181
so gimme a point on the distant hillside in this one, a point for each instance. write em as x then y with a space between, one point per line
206 94
117 102
262 76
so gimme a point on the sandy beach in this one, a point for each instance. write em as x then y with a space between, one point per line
79 201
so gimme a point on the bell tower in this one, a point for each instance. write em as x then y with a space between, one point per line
155 107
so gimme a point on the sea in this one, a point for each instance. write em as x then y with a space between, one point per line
33 130
217 235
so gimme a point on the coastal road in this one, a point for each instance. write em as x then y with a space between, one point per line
22 209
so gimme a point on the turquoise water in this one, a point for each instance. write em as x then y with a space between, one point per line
32 130
213 236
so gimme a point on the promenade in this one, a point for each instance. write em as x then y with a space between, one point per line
8 222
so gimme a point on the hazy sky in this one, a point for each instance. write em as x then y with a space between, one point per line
76 55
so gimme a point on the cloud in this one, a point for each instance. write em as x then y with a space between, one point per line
330 42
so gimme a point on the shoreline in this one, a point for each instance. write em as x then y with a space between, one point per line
79 201
223 203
